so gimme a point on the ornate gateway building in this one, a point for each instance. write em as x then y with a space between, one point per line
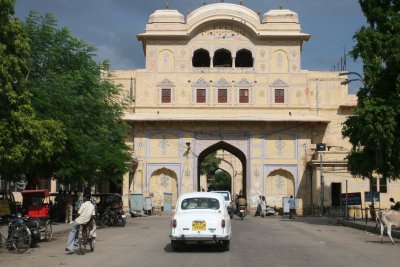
227 79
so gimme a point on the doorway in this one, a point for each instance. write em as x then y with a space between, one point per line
336 191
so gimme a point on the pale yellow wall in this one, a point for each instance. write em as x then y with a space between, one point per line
285 134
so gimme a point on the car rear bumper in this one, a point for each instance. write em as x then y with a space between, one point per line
199 238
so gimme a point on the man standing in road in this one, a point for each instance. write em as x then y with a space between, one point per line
85 214
292 207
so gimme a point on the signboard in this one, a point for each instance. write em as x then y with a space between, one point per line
369 199
352 198
285 204
167 201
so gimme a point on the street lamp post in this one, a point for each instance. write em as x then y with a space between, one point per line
347 81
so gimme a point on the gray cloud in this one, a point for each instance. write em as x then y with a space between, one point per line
112 25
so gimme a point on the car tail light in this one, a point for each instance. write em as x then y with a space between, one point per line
174 223
223 223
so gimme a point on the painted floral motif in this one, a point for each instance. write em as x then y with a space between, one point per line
164 180
163 144
279 182
280 145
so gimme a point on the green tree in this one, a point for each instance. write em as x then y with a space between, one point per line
374 130
209 165
68 87
221 181
25 139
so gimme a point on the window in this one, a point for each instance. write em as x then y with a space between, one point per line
244 59
222 58
279 95
200 203
201 58
243 95
165 95
201 95
222 95
383 185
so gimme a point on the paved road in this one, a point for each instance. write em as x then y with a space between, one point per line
257 242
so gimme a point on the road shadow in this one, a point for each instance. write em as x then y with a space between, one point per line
197 248
311 220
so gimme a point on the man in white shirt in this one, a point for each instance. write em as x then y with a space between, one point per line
85 214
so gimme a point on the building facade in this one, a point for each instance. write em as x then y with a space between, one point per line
224 78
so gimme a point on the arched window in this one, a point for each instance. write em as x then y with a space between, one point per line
244 59
201 58
222 58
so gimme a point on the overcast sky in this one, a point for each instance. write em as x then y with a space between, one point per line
112 25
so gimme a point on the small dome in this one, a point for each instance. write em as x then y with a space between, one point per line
280 15
166 15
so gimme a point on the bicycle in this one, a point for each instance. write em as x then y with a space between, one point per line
19 236
83 239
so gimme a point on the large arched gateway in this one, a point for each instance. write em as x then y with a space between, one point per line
236 152
224 78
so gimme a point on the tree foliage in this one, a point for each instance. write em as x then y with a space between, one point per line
25 139
67 87
374 130
221 181
209 165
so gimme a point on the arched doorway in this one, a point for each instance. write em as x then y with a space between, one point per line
163 181
279 183
231 149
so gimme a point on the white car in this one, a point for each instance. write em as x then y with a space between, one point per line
228 201
201 217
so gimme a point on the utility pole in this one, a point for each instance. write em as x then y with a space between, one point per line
321 147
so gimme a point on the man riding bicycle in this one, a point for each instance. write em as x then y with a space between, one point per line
85 215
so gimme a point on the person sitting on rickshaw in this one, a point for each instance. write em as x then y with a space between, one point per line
85 215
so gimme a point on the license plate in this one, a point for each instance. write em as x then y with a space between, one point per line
241 210
198 225
123 216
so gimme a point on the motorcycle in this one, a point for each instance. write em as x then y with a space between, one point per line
113 217
266 210
242 212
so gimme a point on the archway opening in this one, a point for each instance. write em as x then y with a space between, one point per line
222 58
238 154
244 59
163 181
201 58
279 183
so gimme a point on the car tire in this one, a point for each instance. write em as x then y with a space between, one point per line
226 245
174 245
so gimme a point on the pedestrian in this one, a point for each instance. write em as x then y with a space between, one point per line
263 206
68 207
292 207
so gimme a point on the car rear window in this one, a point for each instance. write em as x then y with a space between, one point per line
200 203
225 194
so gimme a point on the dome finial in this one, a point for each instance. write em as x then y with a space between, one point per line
166 5
241 2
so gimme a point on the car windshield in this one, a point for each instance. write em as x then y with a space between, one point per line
200 203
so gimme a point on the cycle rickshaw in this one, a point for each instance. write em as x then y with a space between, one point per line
35 204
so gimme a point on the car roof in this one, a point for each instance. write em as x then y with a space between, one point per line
202 194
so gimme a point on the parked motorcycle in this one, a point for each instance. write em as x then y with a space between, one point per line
113 217
242 212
